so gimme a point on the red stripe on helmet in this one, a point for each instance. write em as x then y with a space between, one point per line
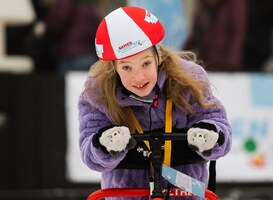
154 31
102 38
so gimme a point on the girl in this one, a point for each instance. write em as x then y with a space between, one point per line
127 92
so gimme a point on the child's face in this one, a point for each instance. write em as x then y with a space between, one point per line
138 73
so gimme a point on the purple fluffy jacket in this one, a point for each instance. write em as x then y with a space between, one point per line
92 119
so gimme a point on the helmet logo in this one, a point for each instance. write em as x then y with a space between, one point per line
130 45
150 18
125 45
99 50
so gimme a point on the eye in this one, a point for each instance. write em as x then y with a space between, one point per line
126 68
147 63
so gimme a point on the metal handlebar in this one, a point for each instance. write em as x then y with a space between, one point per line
160 135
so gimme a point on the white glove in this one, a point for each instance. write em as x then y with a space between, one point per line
116 139
202 139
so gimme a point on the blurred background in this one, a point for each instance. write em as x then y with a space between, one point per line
46 49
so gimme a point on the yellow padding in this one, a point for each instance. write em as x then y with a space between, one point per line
138 128
168 129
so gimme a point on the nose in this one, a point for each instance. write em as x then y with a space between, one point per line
138 75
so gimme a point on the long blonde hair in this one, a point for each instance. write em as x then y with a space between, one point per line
178 83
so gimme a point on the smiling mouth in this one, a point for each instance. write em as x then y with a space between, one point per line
140 86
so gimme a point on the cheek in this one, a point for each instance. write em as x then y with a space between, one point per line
125 80
153 76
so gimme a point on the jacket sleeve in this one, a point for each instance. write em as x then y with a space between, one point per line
215 115
91 121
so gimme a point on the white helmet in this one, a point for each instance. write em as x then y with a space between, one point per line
127 31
